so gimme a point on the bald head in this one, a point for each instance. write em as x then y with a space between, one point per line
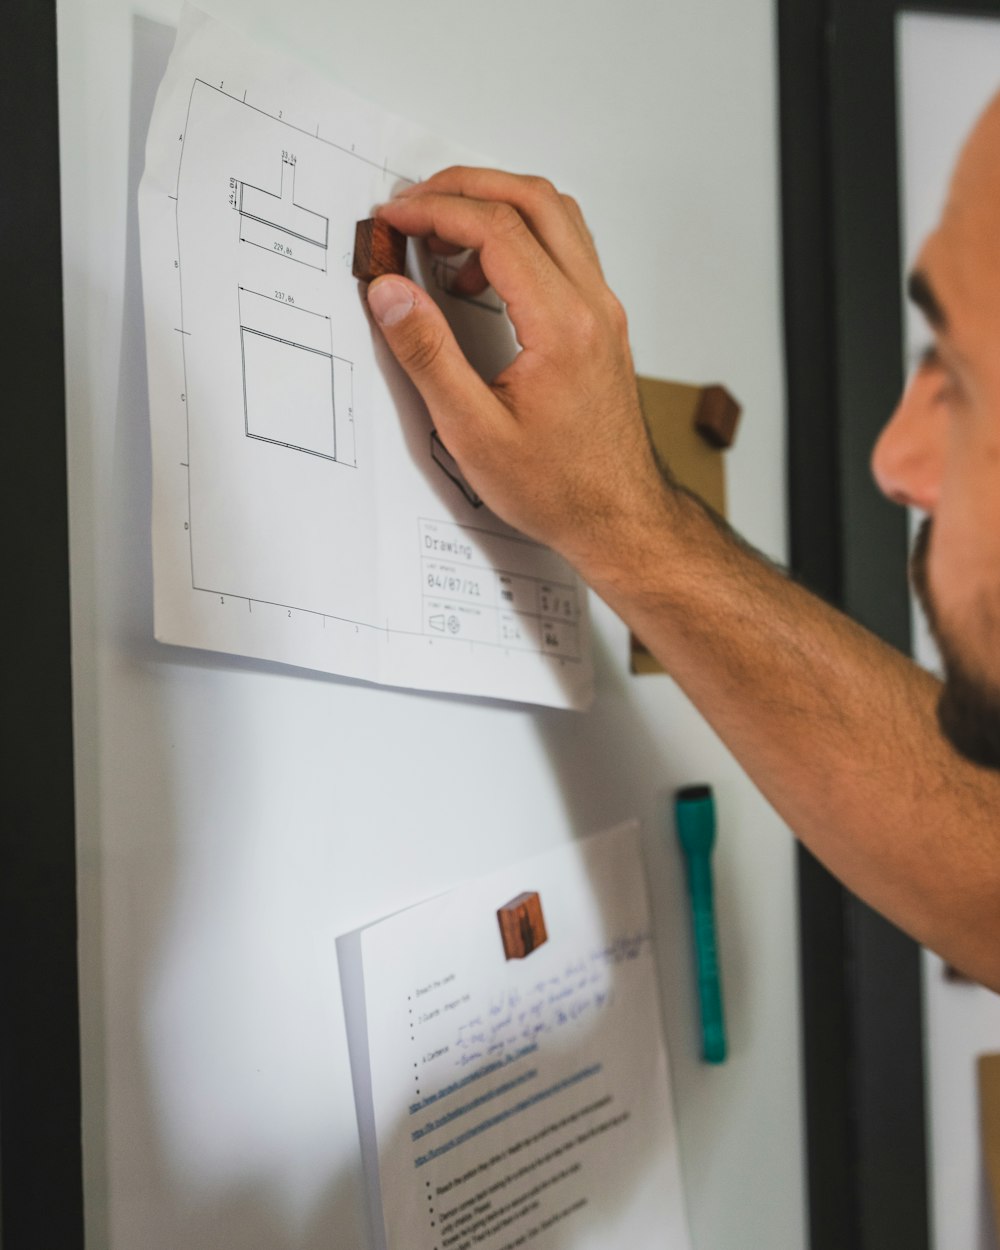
980 156
956 279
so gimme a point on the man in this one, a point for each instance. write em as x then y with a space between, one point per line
838 730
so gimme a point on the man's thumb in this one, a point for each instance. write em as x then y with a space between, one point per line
422 342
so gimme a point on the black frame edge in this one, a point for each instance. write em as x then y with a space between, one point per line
860 977
883 974
41 1186
815 556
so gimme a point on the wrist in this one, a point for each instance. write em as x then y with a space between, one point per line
627 550
668 569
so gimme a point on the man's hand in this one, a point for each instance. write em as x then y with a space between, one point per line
556 443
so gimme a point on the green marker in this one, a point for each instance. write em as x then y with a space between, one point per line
695 812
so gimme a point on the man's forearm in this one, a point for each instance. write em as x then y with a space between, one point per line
836 728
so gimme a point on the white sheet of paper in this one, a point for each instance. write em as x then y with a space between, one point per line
514 1102
303 509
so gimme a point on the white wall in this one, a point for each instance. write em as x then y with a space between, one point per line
949 68
235 817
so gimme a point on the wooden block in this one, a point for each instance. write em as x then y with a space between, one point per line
522 925
716 416
378 249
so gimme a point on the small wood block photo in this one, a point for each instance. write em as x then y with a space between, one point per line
522 925
378 249
716 416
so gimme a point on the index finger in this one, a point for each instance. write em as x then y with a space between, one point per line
554 219
519 269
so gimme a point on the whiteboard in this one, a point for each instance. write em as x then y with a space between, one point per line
949 67
236 816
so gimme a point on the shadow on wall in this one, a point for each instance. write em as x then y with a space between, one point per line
194 1144
160 1174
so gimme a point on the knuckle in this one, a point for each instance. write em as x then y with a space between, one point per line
586 327
505 219
616 312
572 206
541 188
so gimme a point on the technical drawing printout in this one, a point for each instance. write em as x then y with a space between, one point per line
509 1064
304 508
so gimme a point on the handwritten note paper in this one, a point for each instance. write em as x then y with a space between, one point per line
517 1101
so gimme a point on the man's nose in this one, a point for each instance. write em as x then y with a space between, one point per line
908 459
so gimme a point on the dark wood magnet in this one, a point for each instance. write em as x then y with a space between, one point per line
378 249
716 416
522 925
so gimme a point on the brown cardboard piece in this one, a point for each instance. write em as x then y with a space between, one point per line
670 409
989 1121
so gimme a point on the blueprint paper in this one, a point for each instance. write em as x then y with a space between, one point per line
523 1101
304 509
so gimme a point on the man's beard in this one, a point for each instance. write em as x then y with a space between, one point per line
969 707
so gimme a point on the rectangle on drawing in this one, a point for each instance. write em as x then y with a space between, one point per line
513 1101
267 237
288 394
284 215
274 314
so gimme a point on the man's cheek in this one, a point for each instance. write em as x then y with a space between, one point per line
953 564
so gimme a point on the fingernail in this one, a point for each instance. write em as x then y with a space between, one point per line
390 301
